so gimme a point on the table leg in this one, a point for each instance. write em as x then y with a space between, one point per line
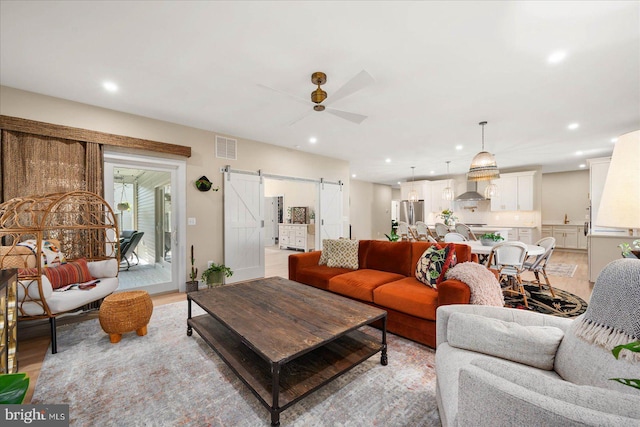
189 329
275 393
383 358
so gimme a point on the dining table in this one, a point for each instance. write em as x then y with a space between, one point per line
478 248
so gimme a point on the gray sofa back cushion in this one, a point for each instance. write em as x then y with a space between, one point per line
583 363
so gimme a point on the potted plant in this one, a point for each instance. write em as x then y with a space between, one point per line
13 388
393 236
192 285
448 217
214 275
628 250
490 239
312 217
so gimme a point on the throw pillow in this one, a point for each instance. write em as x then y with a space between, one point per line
326 251
67 274
51 254
433 264
530 345
344 254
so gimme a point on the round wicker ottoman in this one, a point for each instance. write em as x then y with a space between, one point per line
125 312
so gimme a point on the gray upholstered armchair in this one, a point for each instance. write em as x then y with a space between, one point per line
500 366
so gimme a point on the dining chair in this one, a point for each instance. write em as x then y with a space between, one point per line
441 230
508 258
431 239
422 230
403 230
537 265
465 231
454 237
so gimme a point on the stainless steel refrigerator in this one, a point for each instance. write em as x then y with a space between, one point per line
410 212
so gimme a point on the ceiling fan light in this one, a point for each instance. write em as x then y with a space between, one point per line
318 95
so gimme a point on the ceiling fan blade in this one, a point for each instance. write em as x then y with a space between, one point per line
295 98
352 117
291 123
360 81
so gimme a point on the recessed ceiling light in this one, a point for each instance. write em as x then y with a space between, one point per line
614 140
573 126
579 153
582 165
387 160
398 182
110 86
432 172
353 175
313 140
556 57
459 147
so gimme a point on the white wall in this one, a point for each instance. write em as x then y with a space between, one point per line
370 208
565 193
296 193
206 235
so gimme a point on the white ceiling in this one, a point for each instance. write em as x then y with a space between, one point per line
439 69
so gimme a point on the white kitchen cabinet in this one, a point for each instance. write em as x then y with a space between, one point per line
583 242
525 236
515 192
420 188
566 236
438 204
296 236
546 231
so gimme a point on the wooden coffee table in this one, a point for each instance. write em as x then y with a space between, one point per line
283 339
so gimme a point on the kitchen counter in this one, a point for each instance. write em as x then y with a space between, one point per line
556 223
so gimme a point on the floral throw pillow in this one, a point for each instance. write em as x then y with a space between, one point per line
433 264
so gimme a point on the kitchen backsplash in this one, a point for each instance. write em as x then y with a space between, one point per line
482 214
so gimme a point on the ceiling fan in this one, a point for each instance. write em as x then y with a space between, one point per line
318 96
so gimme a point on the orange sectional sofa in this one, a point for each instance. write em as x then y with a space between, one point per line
386 279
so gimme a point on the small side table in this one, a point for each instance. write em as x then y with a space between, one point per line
125 312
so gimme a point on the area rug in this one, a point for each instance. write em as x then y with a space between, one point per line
561 270
565 304
169 379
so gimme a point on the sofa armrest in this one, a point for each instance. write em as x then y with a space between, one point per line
453 291
517 396
298 261
524 318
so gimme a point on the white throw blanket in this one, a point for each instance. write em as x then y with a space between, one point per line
485 288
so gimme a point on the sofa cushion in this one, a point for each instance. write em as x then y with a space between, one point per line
392 257
69 273
596 398
344 254
408 296
360 284
326 250
434 263
318 275
531 345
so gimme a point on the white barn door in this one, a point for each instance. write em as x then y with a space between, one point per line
330 221
243 226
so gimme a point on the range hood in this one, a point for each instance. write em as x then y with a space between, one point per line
471 194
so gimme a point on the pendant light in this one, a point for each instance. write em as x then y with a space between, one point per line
413 194
483 166
447 193
123 205
491 191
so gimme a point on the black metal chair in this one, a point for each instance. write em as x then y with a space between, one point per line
128 248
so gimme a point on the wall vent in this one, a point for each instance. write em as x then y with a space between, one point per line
226 148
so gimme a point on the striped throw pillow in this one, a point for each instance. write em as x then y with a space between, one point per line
67 274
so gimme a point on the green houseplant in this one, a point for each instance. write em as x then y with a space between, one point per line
448 217
490 239
634 347
214 275
192 285
13 388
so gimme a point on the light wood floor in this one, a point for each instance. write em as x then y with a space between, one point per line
33 337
